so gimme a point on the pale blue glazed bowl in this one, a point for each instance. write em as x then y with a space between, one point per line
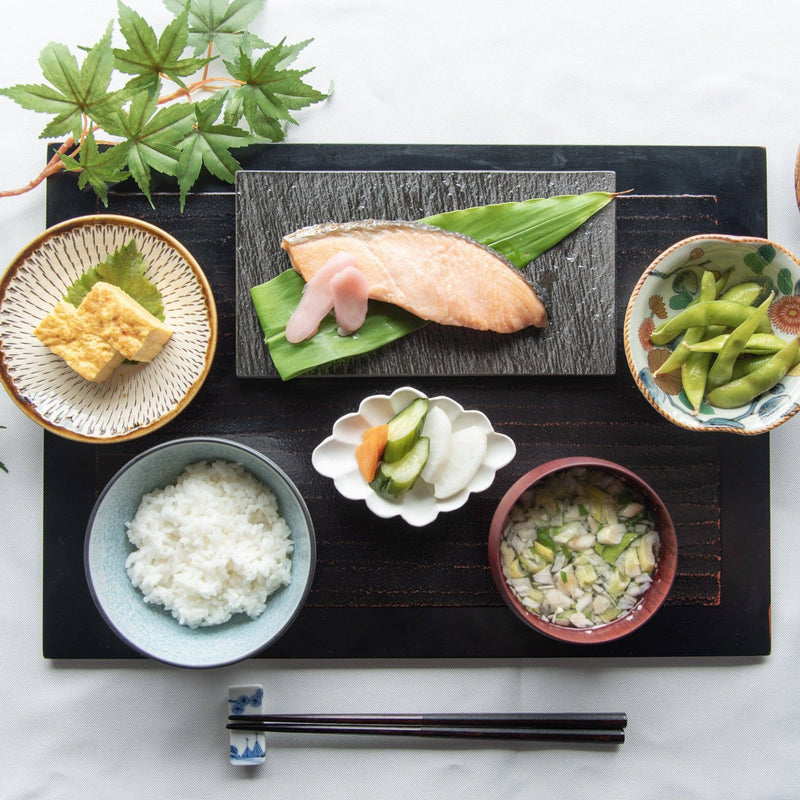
670 283
150 629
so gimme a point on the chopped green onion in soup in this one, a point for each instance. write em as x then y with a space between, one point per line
580 548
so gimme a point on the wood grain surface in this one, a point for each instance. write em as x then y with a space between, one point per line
575 279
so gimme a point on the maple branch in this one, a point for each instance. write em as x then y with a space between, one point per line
179 92
73 96
208 55
87 126
203 83
54 165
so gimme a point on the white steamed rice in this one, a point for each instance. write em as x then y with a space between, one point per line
210 546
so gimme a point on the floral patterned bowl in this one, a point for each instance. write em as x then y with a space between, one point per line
669 284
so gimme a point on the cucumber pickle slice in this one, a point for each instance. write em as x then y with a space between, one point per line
398 477
404 429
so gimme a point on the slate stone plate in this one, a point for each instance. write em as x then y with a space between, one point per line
575 279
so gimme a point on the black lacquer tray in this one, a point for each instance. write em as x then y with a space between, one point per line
383 589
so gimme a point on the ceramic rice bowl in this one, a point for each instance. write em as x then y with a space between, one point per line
151 630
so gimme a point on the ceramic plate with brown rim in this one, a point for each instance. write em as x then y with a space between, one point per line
138 397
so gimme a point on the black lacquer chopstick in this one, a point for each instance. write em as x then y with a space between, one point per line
531 734
591 721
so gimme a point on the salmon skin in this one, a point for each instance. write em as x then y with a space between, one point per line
437 275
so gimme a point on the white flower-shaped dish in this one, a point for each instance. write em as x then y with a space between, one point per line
335 457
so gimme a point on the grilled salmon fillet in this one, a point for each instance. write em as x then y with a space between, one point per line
440 276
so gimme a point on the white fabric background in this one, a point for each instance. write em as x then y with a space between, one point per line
425 71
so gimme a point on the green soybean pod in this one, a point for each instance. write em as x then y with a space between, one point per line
717 312
747 293
757 344
694 375
722 368
722 282
745 365
741 391
708 291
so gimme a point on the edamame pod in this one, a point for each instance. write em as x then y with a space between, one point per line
678 357
757 344
694 374
744 366
747 293
717 312
722 368
708 292
722 282
741 391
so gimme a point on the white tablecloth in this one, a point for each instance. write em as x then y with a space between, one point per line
429 71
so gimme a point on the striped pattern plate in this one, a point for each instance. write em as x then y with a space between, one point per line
138 398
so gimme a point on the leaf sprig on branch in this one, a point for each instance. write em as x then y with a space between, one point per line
173 116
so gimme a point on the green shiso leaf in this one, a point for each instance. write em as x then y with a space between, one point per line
125 268
274 303
518 231
523 231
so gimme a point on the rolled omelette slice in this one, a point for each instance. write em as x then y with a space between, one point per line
437 275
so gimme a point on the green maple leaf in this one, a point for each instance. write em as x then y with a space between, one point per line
270 129
152 136
98 168
208 144
269 91
148 56
220 23
73 91
125 268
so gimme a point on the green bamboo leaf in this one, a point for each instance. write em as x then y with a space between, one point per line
275 301
523 231
514 229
